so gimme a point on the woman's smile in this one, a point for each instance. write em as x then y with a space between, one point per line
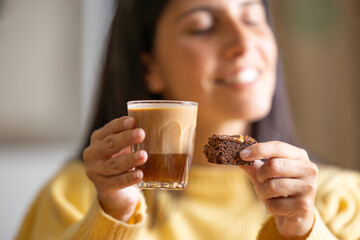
241 78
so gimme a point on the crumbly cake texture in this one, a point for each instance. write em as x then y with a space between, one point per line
225 149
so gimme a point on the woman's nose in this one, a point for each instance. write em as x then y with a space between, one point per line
237 41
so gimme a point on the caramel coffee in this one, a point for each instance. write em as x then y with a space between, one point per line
169 141
170 168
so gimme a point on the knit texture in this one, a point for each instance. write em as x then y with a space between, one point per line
218 203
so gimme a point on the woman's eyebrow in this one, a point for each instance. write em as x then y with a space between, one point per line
249 3
213 9
197 9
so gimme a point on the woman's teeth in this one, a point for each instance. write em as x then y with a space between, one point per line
244 76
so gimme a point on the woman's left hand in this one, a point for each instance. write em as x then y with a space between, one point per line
286 183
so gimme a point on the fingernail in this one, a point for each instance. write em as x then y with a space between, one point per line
245 153
137 174
137 133
128 123
138 155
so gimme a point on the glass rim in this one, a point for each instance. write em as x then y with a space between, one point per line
170 102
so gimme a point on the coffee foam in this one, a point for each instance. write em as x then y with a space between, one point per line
155 104
168 129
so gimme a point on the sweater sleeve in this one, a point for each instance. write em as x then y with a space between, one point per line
338 201
319 230
338 207
67 208
96 224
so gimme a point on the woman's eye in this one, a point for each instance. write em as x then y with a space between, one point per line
200 23
201 31
251 22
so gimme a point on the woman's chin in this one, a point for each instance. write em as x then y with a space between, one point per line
250 113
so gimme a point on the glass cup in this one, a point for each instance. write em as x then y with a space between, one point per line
169 141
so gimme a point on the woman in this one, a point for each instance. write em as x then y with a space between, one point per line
221 54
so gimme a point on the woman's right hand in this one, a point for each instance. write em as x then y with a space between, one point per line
109 165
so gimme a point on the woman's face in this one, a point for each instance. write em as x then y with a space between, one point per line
219 53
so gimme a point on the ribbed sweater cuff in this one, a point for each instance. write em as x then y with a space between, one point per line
319 230
96 224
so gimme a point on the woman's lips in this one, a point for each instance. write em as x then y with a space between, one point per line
242 78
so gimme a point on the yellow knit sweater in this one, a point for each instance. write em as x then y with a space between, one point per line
218 203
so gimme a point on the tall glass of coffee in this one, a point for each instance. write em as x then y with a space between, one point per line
169 141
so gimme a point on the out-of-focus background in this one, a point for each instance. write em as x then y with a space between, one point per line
320 46
50 57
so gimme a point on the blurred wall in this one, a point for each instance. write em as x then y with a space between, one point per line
96 19
319 44
50 57
40 70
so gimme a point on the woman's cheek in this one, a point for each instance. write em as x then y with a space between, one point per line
194 72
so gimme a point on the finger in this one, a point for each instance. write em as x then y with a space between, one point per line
291 206
280 206
272 149
120 164
252 170
115 126
286 168
123 151
114 183
113 143
282 187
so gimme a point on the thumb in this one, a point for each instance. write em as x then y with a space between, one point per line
252 170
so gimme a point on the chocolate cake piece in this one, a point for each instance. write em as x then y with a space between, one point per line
225 149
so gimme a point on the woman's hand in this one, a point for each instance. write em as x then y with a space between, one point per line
109 165
286 183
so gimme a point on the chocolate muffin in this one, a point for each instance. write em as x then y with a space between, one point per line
225 149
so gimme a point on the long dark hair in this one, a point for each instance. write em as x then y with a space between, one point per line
132 34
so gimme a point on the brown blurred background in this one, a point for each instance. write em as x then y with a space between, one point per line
50 55
320 46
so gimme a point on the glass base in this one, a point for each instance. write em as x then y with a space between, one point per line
161 185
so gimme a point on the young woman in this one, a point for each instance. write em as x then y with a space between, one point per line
221 54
